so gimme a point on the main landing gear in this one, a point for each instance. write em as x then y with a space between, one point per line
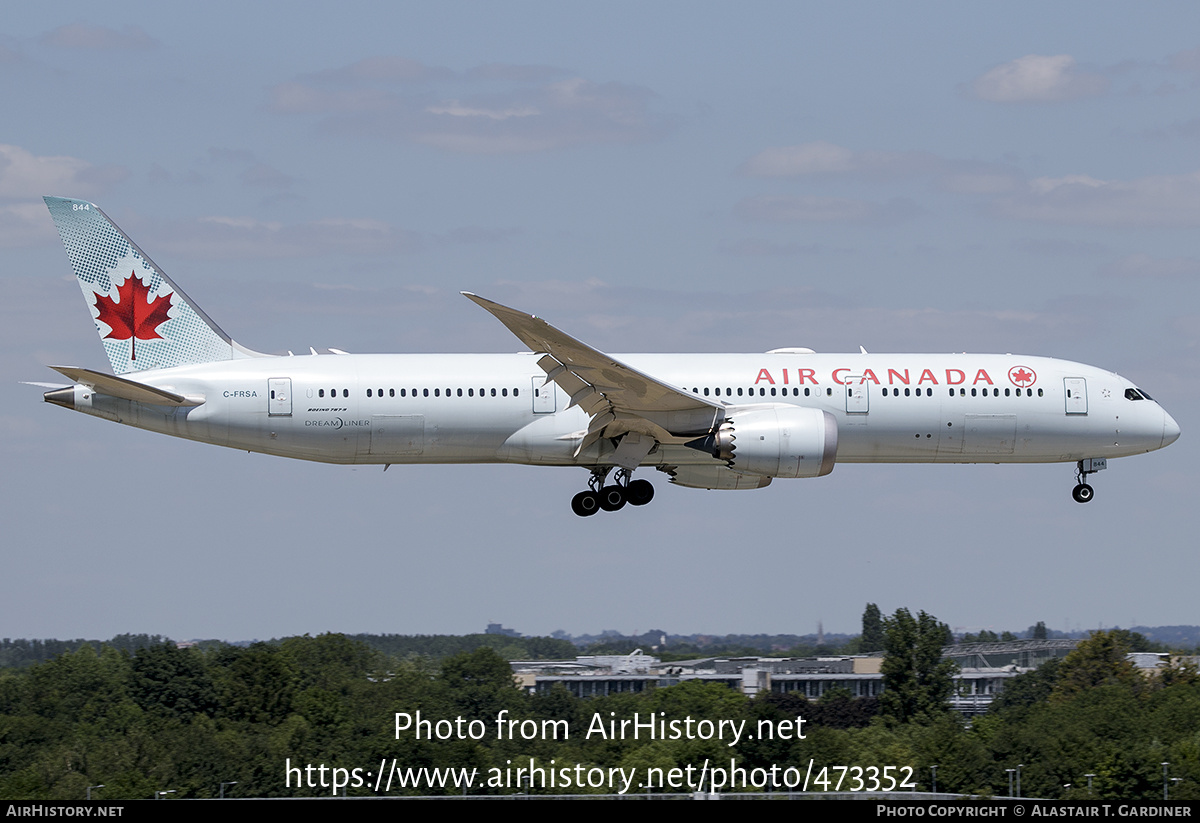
614 497
1083 493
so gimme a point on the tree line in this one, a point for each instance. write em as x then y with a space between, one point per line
159 717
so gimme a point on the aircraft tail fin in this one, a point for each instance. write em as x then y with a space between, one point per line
144 320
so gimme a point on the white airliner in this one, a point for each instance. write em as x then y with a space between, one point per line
709 421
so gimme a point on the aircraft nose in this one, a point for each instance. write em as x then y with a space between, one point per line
1170 429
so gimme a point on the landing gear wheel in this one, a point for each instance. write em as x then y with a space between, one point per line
639 492
612 498
585 504
1083 493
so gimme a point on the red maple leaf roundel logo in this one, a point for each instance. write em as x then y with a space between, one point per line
133 315
1022 376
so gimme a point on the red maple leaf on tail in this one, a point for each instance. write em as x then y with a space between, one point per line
133 315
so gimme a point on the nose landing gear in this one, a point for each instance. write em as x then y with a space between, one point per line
1083 493
613 497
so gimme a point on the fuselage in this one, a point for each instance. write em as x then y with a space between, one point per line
483 408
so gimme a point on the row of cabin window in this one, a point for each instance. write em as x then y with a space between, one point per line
762 392
962 392
438 393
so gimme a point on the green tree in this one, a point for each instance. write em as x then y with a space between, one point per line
872 630
480 684
1027 689
329 661
1138 642
256 683
172 681
917 681
1101 660
1038 632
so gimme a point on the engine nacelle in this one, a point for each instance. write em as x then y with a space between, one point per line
775 440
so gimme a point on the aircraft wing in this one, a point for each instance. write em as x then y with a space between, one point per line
618 397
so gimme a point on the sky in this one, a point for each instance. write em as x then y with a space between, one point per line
693 177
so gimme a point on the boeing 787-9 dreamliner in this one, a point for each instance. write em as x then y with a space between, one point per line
708 421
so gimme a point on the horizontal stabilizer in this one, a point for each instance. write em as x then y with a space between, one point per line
124 388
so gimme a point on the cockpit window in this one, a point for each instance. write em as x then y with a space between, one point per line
1143 393
1136 394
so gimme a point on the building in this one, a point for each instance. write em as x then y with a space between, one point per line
983 669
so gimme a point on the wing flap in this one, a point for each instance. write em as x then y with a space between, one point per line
582 393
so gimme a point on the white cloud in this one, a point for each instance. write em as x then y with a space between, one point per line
1145 265
1084 200
813 209
807 158
507 109
1038 78
1060 247
655 319
99 38
261 175
388 68
460 143
509 72
222 237
303 98
457 109
556 115
1188 60
760 247
1047 185
25 175
476 235
824 158
821 157
25 224
248 223
980 181
254 173
1079 199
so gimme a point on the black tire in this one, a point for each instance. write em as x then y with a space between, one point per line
585 504
639 492
612 498
1083 493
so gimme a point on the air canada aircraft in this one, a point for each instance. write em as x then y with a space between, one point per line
708 421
